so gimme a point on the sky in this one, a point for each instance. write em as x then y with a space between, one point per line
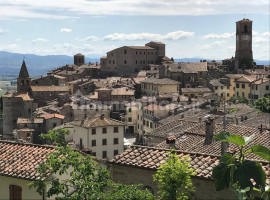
189 28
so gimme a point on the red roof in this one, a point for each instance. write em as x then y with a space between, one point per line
20 160
54 115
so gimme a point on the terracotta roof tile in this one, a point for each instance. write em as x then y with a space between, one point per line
21 160
98 122
151 158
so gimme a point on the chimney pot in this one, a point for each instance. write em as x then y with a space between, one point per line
102 116
170 141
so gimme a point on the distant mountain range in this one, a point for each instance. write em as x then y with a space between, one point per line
10 63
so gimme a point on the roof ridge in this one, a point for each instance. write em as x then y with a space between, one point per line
27 144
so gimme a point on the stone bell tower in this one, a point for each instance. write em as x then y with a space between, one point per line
243 53
23 80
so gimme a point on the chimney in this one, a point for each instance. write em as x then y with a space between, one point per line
102 116
209 128
261 128
170 141
236 120
224 147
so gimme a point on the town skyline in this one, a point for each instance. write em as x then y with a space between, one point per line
189 29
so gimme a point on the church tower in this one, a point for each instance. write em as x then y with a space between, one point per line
23 80
243 53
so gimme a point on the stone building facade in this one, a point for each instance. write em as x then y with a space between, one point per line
128 60
243 53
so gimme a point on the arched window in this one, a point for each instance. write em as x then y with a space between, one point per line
125 51
245 29
22 82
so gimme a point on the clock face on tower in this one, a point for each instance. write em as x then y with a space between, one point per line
245 37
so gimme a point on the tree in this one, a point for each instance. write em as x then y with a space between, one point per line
263 104
174 178
86 178
246 177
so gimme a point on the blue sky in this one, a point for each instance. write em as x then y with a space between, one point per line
189 28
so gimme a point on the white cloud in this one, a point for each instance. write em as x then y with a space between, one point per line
3 31
177 35
65 30
266 34
88 38
219 36
213 45
39 40
66 9
10 47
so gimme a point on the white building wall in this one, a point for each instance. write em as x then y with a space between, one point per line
27 193
87 137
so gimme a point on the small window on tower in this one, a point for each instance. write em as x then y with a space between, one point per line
245 29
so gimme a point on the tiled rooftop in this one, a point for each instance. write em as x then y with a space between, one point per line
176 127
98 122
54 115
151 158
22 120
195 90
193 67
123 91
21 160
193 140
49 88
165 81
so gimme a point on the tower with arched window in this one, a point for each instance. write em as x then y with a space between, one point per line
243 53
23 80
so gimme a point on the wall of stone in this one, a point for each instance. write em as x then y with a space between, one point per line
205 189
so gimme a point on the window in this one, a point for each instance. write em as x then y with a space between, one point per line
94 143
216 87
267 87
104 154
222 87
115 152
15 192
104 141
104 130
136 62
115 129
125 62
125 51
54 125
136 52
237 94
243 94
115 141
245 29
243 85
228 94
113 62
256 87
129 110
151 125
94 131
237 85
129 119
94 153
